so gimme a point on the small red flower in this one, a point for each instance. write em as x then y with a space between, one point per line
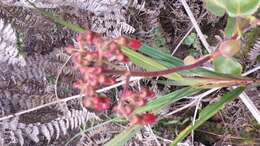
146 93
113 46
129 109
87 102
109 81
101 103
148 118
102 106
120 57
89 37
79 38
134 44
78 84
140 102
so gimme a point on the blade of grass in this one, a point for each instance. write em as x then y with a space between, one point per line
122 138
58 20
163 101
207 113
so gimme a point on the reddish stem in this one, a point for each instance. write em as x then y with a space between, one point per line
126 85
161 72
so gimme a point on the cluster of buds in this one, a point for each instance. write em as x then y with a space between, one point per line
90 59
130 101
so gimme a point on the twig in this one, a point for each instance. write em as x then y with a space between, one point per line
250 105
181 109
196 26
148 128
252 70
197 108
57 79
184 37
193 102
64 100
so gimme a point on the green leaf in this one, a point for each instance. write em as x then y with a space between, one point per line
241 7
190 39
208 112
163 101
227 66
230 27
215 7
122 138
147 63
234 8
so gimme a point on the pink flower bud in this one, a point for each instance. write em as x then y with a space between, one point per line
89 37
134 44
69 49
120 57
148 118
101 103
140 102
109 81
121 40
113 46
135 120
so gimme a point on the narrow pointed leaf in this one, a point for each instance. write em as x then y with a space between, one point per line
208 112
163 101
122 138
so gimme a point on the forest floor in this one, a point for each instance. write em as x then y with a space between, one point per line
163 24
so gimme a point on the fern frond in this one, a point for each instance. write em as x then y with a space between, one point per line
126 28
111 23
255 51
135 4
35 100
97 136
51 130
9 101
8 51
25 3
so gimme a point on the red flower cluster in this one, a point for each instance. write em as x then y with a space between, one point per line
145 119
130 100
89 59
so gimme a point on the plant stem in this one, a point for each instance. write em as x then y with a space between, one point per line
161 72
